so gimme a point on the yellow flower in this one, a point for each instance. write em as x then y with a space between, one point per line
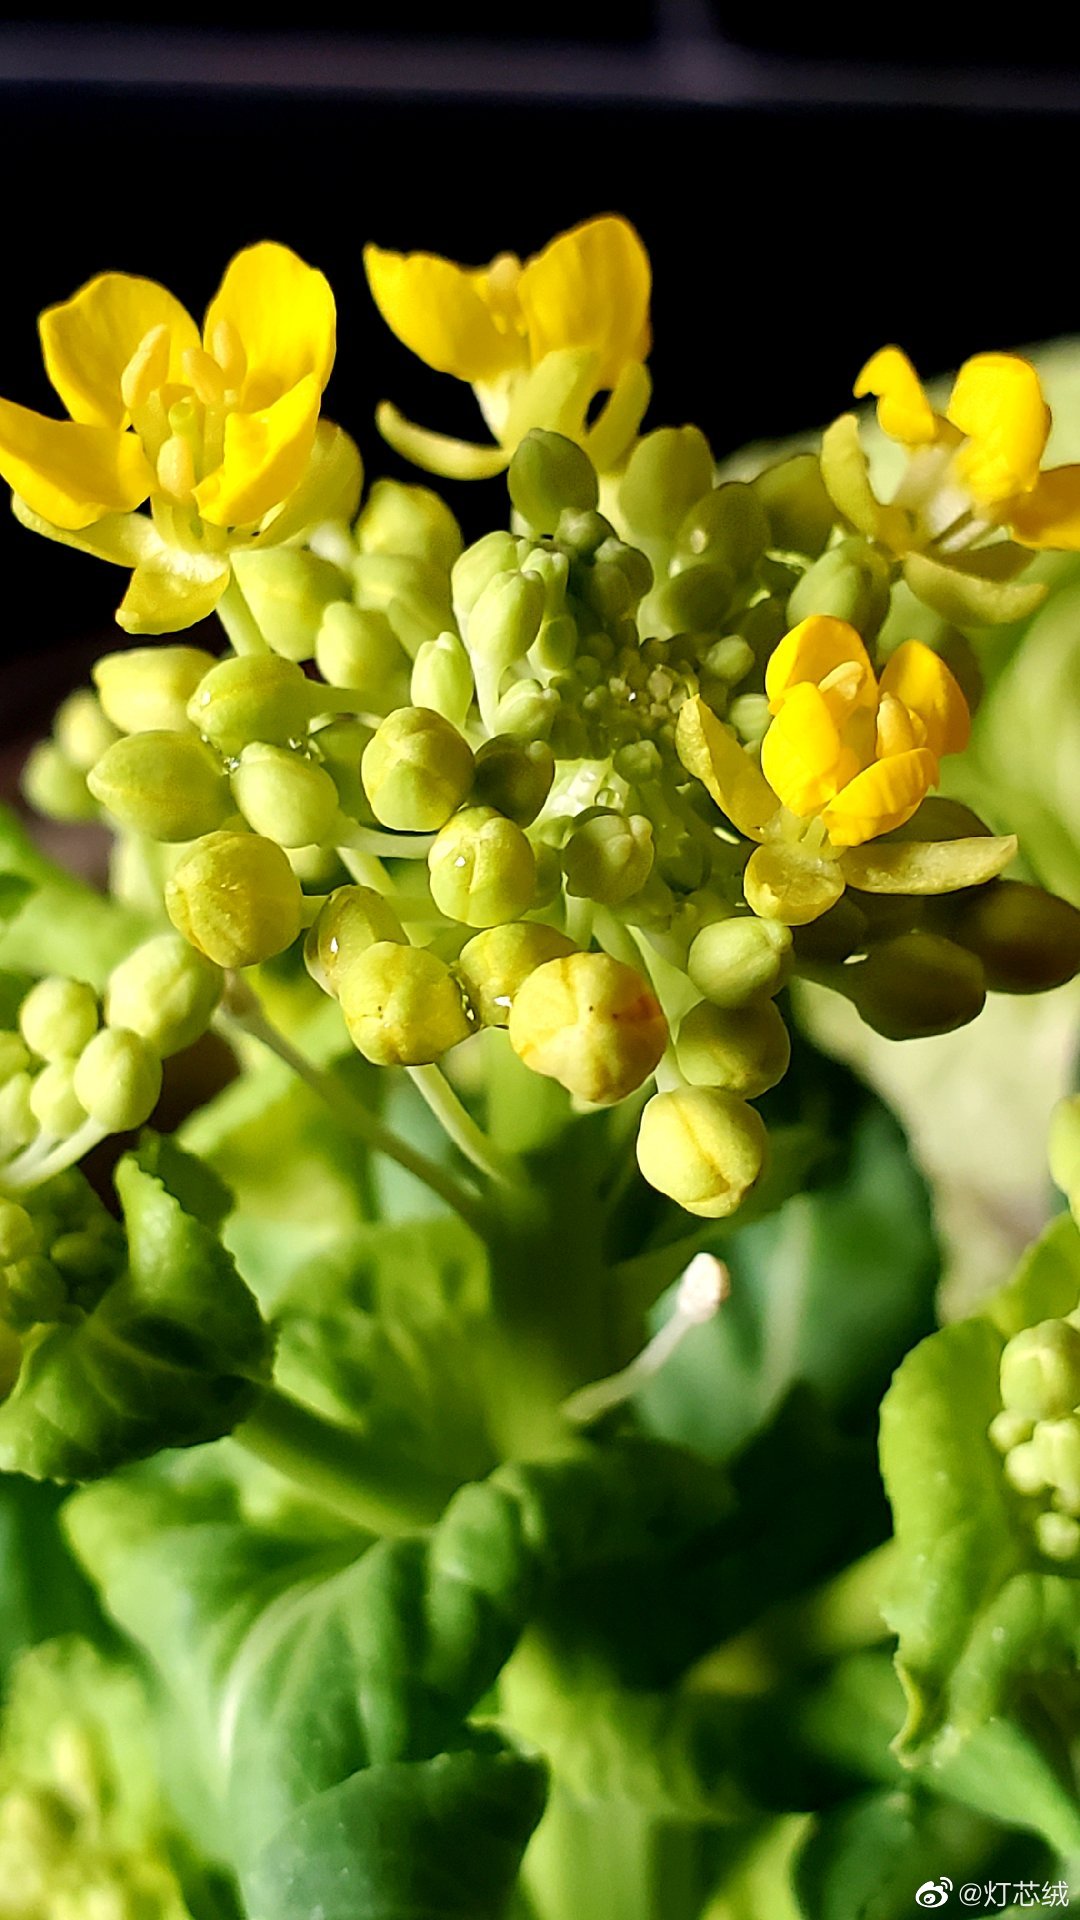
537 341
217 431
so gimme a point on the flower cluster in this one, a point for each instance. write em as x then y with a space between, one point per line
1038 1430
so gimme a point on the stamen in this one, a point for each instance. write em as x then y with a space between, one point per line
205 376
704 1287
895 727
147 369
176 469
227 349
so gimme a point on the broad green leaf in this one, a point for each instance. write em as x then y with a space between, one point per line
867 1859
43 1591
61 925
1046 1285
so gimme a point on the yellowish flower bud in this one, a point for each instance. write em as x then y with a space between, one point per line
505 620
668 472
608 856
253 696
514 777
481 868
166 992
730 525
169 786
413 594
1008 1429
82 731
18 1234
53 787
416 770
148 688
348 923
1040 1370
495 553
442 678
341 745
800 514
53 1101
118 1079
17 1124
1057 1450
784 883
288 590
14 1055
402 1005
745 1050
495 964
702 1148
591 1023
58 1017
236 898
526 710
1057 1535
284 796
409 520
734 961
547 474
851 582
358 648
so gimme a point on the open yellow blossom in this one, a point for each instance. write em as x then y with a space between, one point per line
216 430
537 341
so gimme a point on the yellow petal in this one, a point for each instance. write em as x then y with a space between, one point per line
172 591
330 489
846 475
88 340
68 473
439 453
709 750
921 681
608 441
881 797
903 412
283 313
997 402
1049 516
590 288
265 457
813 649
439 311
121 538
803 757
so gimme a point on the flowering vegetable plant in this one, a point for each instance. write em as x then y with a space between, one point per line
440 1477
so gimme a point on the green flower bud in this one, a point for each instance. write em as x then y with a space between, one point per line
591 1023
634 566
84 1255
800 513
548 473
284 796
583 531
361 651
608 856
495 553
735 961
494 965
505 620
514 777
58 1017
254 696
1023 1469
555 646
288 590
552 566
409 520
696 598
53 787
413 595
166 992
416 770
1057 1536
1026 939
442 679
81 730
348 923
703 1149
668 472
1008 1429
527 710
549 877
402 1005
1040 1370
852 582
235 897
148 689
1057 1449
915 985
118 1079
17 1124
482 869
169 786
341 746
34 1292
730 525
53 1101
18 1234
745 1050
843 930
729 660
750 717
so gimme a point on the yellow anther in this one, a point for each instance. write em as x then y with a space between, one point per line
898 729
147 368
845 682
176 469
205 376
227 349
502 284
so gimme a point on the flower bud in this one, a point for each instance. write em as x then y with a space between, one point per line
413 595
118 1079
552 566
527 710
34 1292
416 770
495 553
359 650
555 645
235 897
548 473
505 620
1057 1450
253 696
288 590
851 582
494 964
14 1055
1057 1536
284 796
1023 1469
410 520
844 929
591 1023
915 985
668 471
1008 1429
783 883
17 1124
1040 1370
482 870
341 745
58 1017
744 1050
81 730
696 598
729 524
53 1101
442 679
514 777
583 531
348 923
703 1149
148 689
166 992
735 961
800 514
18 1234
169 786
53 787
608 856
1028 940
402 1005
729 660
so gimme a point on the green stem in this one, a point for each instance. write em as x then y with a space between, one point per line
341 1469
238 620
356 1118
460 1127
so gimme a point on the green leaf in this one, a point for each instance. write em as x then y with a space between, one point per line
60 925
866 1860
1046 1285
172 1353
43 1591
15 891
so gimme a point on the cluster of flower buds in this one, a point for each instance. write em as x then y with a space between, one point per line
1038 1430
